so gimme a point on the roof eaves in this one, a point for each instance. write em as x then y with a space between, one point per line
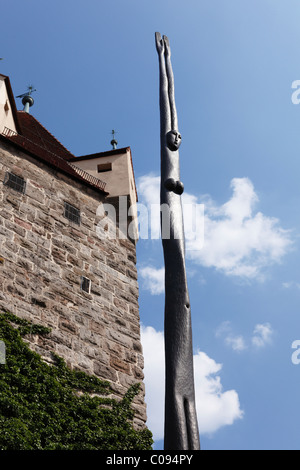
12 101
101 154
68 171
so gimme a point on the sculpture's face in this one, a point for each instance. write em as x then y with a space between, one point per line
173 140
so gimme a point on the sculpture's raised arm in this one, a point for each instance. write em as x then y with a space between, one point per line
171 88
163 86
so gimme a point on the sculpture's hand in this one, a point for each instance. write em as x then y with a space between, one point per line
160 47
167 46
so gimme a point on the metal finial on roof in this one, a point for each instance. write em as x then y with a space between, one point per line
113 142
27 99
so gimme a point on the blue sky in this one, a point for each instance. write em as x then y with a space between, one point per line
95 68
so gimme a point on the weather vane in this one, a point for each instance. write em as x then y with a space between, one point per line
27 99
30 88
113 142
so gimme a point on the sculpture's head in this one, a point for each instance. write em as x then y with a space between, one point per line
173 140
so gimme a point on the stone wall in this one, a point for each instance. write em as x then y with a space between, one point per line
42 258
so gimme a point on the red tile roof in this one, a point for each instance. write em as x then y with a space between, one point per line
35 139
33 130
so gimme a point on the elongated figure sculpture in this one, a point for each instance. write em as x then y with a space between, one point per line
181 427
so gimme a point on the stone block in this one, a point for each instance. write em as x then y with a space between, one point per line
104 372
118 364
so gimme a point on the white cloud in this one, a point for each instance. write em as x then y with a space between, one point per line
235 342
153 279
262 335
287 285
215 408
223 329
148 187
237 240
291 285
154 370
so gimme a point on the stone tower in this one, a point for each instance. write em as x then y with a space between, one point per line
65 260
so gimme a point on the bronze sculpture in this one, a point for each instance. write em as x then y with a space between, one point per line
181 427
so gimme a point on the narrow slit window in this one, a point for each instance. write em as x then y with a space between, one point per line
85 284
72 213
15 182
104 167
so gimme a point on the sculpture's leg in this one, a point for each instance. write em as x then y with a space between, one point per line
176 437
191 424
181 431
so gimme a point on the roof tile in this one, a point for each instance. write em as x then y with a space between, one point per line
34 138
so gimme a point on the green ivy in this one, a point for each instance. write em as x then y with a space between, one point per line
50 407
